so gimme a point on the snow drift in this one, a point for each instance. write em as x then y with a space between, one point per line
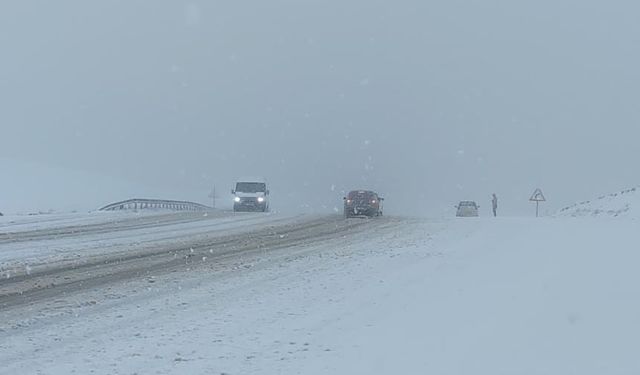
625 204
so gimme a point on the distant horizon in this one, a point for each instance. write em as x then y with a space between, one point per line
62 202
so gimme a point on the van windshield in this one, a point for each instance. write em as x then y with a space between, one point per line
251 187
361 195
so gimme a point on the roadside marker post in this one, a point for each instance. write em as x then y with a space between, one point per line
538 197
213 197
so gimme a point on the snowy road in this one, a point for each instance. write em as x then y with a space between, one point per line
175 241
34 246
44 290
321 295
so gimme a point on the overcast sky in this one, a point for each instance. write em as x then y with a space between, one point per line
428 102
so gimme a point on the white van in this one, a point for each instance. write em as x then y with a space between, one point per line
251 194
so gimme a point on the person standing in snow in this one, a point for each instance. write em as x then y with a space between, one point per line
494 205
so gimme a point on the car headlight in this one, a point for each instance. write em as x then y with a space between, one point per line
236 199
260 199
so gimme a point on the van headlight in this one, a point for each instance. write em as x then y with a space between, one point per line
236 199
260 199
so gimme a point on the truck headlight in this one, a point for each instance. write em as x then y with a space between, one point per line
236 199
260 199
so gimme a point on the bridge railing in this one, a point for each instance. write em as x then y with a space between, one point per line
142 204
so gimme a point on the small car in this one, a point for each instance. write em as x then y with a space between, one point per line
362 203
467 209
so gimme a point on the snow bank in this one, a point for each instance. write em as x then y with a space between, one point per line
622 204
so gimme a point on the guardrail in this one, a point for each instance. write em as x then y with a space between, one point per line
142 204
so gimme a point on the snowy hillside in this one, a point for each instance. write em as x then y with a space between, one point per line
29 187
35 187
622 204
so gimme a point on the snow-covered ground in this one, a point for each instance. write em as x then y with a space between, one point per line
407 296
29 243
625 203
20 223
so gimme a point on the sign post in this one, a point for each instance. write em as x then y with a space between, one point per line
537 197
213 197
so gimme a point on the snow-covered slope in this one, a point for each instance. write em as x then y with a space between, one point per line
622 204
34 187
28 187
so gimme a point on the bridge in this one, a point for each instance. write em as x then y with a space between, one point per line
142 204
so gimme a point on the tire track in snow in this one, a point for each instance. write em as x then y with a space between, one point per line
139 263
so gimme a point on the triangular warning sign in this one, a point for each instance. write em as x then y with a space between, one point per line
537 196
